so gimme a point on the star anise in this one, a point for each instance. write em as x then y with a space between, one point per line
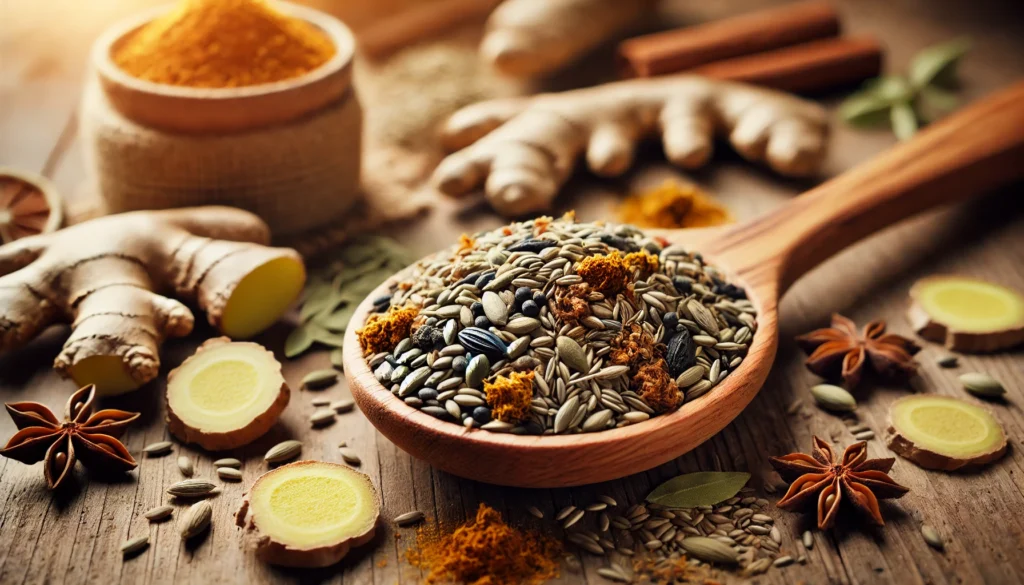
856 478
842 351
81 435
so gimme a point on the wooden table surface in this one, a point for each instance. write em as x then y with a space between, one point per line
74 536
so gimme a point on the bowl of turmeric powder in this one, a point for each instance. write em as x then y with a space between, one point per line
216 66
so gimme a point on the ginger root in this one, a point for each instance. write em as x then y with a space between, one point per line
523 149
967 314
225 395
309 514
106 276
530 38
939 432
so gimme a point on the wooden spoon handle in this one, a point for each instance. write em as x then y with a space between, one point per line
968 153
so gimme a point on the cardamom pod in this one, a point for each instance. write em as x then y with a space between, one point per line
158 513
833 398
196 519
134 545
320 379
191 488
982 385
710 550
283 451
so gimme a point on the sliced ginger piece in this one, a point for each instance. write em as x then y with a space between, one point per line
225 395
309 513
108 276
967 314
938 432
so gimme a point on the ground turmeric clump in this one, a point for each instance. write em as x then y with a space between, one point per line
510 398
570 303
613 273
673 205
486 551
632 347
657 388
223 43
382 332
466 243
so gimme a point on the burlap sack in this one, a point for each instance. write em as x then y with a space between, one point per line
296 176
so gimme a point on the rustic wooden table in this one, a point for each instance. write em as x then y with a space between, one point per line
74 536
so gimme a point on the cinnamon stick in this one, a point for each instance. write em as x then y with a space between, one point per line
811 67
686 48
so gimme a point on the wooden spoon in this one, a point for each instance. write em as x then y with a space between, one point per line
970 152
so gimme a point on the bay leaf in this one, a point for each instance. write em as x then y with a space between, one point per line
299 340
329 338
704 488
935 102
864 109
316 298
904 121
338 320
936 65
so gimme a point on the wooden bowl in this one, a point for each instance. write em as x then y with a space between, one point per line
979 148
175 108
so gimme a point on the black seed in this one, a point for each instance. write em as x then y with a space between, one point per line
523 294
426 394
482 414
671 321
681 354
482 322
428 337
730 290
477 341
619 243
530 246
683 286
459 364
478 308
530 309
484 279
540 298
381 303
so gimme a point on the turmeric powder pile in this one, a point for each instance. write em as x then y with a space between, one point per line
673 205
612 273
486 551
510 398
223 43
383 332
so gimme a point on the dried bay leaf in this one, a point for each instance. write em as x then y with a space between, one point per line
937 64
904 121
704 488
299 340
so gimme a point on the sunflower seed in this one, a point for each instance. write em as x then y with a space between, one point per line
158 513
191 488
229 474
495 308
932 537
283 451
196 519
949 361
535 512
573 518
864 435
709 550
158 448
808 540
572 354
318 379
478 369
613 575
982 385
783 561
134 545
322 418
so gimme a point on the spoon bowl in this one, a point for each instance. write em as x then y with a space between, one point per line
977 149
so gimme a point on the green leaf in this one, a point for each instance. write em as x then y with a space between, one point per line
299 340
329 338
937 64
338 320
904 121
864 110
705 488
935 102
891 88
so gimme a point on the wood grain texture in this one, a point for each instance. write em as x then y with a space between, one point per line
73 537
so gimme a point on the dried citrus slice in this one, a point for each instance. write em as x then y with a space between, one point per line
309 513
29 205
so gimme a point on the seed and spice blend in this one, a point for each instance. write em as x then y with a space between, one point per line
553 326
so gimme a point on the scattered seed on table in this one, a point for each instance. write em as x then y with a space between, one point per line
318 379
808 540
949 361
283 451
185 466
342 406
134 545
932 537
322 418
564 512
535 512
409 518
573 518
158 513
783 561
229 474
350 456
320 401
864 435
228 462
157 449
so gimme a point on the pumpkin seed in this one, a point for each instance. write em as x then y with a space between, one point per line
982 385
320 379
477 369
227 462
185 466
932 537
495 309
191 488
196 519
229 473
158 513
158 448
321 418
833 398
350 456
572 354
343 406
283 451
134 545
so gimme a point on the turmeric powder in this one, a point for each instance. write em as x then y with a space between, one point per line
613 273
223 43
673 205
510 398
486 551
384 332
